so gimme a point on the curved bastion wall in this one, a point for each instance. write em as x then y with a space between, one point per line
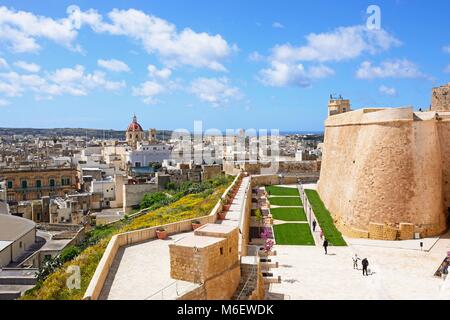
385 171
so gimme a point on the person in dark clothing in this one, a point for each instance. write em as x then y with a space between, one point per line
314 224
325 246
365 264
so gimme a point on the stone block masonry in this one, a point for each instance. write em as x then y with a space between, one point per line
440 98
209 257
385 169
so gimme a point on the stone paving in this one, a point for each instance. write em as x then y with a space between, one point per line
307 273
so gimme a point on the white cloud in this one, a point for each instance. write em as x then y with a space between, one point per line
154 72
343 43
113 65
4 103
30 67
3 63
215 91
446 49
185 47
20 30
387 90
72 81
389 69
277 25
148 91
282 74
286 62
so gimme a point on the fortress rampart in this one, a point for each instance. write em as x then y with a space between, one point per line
386 172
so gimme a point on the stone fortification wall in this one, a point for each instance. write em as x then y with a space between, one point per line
381 167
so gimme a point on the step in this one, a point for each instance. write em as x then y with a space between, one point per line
269 265
272 279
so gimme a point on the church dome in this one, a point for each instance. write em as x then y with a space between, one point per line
134 126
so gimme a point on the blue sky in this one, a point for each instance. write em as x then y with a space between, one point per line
251 64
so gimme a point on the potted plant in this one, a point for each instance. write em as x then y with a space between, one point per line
226 205
161 233
222 215
196 224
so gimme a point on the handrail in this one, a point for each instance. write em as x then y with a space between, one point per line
253 272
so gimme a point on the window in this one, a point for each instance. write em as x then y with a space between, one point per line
51 182
221 251
65 181
38 183
137 164
20 244
24 184
10 184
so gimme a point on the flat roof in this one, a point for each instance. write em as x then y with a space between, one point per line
13 228
4 244
216 228
198 241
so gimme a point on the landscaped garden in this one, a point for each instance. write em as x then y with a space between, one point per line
293 234
288 214
285 201
324 219
282 191
187 201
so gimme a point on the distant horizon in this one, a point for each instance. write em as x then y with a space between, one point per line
284 132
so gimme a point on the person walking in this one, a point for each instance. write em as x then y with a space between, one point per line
314 224
325 246
321 234
365 264
355 261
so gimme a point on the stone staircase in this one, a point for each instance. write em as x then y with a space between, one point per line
248 282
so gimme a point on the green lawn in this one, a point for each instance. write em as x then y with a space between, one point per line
324 219
288 214
293 234
282 191
285 201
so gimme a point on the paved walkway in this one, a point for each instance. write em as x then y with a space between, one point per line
141 271
307 273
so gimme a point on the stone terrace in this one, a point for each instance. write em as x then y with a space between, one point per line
142 271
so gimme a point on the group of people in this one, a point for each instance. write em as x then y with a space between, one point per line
364 262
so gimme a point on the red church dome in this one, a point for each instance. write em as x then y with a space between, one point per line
134 126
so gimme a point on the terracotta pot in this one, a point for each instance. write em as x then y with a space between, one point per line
161 234
222 215
227 207
196 226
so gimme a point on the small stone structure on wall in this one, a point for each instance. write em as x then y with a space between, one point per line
210 258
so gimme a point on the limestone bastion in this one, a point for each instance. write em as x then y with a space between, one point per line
385 171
